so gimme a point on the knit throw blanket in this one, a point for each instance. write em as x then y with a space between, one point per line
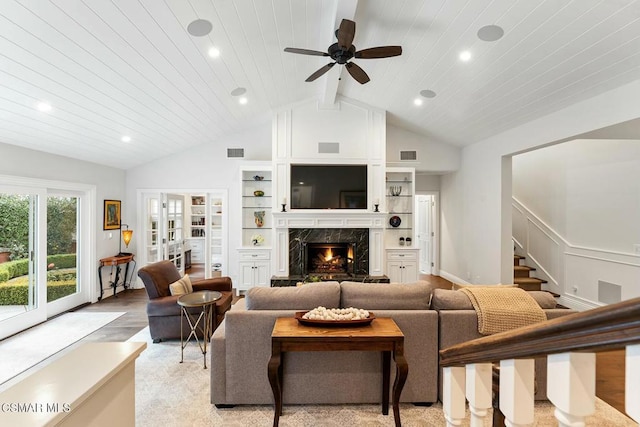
503 309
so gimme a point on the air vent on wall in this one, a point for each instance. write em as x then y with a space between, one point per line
329 147
409 155
235 152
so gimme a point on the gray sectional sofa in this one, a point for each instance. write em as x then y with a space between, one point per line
241 346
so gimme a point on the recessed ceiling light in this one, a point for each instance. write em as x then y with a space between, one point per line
243 100
417 102
428 93
238 91
490 33
199 27
214 52
465 56
126 138
45 107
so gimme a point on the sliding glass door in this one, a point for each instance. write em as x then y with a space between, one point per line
22 303
46 250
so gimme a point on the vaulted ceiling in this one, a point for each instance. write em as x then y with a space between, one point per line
115 68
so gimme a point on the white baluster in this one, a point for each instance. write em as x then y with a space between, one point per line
479 377
453 401
516 391
571 386
632 382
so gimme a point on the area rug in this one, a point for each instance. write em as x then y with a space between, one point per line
24 350
177 394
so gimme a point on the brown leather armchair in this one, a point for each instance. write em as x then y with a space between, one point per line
163 310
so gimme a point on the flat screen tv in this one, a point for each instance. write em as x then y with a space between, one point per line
328 186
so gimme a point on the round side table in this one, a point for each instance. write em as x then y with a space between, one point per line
206 301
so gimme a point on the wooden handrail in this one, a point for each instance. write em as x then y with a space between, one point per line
604 328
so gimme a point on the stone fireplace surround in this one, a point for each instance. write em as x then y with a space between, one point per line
365 228
299 236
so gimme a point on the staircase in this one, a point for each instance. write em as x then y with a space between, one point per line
522 276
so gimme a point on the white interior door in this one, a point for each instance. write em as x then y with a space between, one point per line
425 233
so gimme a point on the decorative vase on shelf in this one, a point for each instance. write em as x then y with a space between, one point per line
258 216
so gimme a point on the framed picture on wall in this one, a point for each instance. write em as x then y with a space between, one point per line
112 215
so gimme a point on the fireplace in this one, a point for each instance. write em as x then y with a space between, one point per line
329 258
324 252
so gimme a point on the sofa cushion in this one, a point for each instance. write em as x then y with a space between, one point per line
305 297
445 299
386 296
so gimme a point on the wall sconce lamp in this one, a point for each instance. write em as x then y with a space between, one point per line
127 234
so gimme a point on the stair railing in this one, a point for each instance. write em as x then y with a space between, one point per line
570 342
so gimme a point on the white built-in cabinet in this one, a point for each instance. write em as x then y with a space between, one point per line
257 226
402 265
254 268
400 243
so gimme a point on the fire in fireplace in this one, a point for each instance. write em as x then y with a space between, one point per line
329 258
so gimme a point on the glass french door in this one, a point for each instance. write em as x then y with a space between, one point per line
22 302
164 228
42 238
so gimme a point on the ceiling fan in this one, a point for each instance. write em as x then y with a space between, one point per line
344 50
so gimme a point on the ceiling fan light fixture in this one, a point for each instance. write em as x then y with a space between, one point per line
199 28
490 33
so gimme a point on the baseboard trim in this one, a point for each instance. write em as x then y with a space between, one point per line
453 278
577 303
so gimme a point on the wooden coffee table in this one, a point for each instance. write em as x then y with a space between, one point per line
381 335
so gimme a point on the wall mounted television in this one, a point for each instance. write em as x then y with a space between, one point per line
328 187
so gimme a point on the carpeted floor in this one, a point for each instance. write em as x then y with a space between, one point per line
173 394
26 349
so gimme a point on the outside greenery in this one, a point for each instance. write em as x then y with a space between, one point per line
61 248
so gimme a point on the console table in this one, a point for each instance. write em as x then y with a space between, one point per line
381 335
116 265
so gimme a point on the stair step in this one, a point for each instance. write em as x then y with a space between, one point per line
522 270
516 259
529 283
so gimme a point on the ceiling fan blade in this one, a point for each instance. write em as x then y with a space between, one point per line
305 51
379 52
320 72
357 73
345 33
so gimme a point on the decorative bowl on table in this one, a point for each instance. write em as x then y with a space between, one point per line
307 318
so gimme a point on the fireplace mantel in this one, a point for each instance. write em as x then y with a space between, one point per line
329 219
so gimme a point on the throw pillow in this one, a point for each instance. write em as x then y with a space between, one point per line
445 299
182 286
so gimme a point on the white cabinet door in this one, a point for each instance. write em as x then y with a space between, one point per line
394 271
409 271
262 274
246 275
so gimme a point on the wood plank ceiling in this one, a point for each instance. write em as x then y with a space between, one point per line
111 68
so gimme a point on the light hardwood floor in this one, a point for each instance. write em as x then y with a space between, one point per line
609 365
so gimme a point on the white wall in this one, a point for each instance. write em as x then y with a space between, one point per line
427 182
109 182
433 156
475 242
201 168
588 191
